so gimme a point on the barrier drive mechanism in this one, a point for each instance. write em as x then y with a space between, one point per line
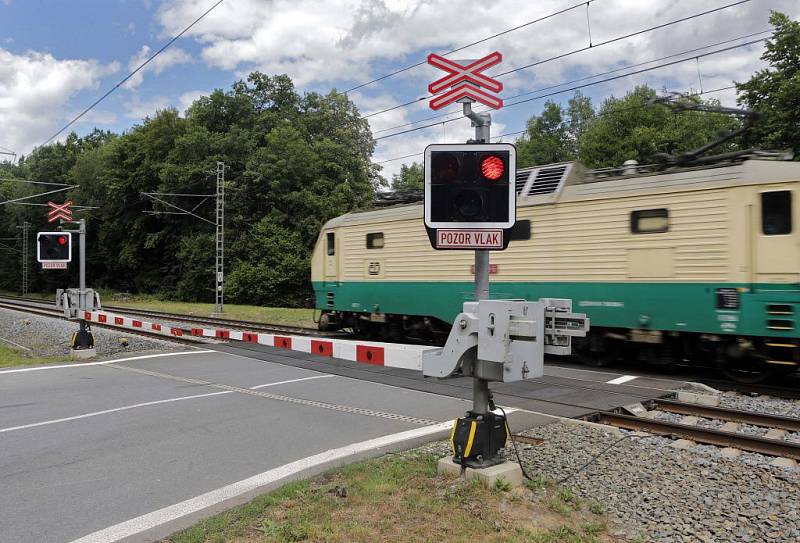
505 341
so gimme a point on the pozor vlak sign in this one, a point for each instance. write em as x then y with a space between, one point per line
470 196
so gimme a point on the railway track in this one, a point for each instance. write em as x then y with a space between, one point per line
728 437
56 314
36 305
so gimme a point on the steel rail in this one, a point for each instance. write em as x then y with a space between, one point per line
761 445
790 424
56 314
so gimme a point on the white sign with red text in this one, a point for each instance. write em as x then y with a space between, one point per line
469 239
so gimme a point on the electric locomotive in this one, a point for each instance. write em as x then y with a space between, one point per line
691 264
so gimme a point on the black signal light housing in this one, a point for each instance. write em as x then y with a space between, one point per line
470 186
54 247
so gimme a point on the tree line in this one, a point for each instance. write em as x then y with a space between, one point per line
295 160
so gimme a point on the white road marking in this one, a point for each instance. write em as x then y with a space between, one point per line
147 404
173 512
623 379
167 514
114 410
323 376
104 362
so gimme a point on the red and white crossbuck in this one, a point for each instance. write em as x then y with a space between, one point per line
59 211
465 81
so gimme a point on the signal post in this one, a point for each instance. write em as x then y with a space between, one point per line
470 204
54 251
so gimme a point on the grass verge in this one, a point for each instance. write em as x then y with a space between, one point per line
11 356
399 498
286 316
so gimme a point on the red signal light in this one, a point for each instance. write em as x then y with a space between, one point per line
62 240
492 167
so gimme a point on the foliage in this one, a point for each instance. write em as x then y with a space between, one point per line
774 91
410 178
630 128
553 136
292 162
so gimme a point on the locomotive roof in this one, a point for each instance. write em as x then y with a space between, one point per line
571 181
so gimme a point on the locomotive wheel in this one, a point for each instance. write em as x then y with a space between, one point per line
597 352
747 366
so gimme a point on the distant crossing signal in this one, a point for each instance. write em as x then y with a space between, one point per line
54 247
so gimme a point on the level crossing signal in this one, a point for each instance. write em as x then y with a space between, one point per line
54 247
470 197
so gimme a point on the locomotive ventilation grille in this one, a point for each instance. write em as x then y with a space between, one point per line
545 180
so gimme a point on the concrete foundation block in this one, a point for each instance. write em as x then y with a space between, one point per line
700 399
682 444
82 354
690 420
782 462
446 466
730 452
730 427
509 471
776 433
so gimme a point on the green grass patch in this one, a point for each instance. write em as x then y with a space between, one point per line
12 356
397 498
284 316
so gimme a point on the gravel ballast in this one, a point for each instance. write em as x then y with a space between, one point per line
50 337
663 494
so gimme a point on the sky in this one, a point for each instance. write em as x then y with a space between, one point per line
57 57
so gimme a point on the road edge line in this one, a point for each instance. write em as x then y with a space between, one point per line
162 522
103 362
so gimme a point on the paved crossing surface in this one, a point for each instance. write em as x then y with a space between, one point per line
135 448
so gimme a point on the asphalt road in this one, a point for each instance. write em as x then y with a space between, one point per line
134 449
83 448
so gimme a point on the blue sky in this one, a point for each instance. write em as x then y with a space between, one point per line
58 56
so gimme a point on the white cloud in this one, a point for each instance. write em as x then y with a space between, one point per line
137 109
170 57
325 42
34 90
187 98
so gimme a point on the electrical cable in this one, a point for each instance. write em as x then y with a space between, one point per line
598 455
584 85
134 72
615 70
482 40
575 51
600 114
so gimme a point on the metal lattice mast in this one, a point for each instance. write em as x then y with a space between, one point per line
25 226
220 240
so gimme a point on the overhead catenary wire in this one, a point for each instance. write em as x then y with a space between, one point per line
576 51
468 45
600 114
584 78
584 85
134 72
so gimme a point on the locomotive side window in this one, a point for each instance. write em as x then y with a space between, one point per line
375 240
330 243
776 212
650 221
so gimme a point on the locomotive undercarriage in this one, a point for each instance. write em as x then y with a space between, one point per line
743 359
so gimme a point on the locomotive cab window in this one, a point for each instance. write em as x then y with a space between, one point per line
375 240
776 212
330 243
650 221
